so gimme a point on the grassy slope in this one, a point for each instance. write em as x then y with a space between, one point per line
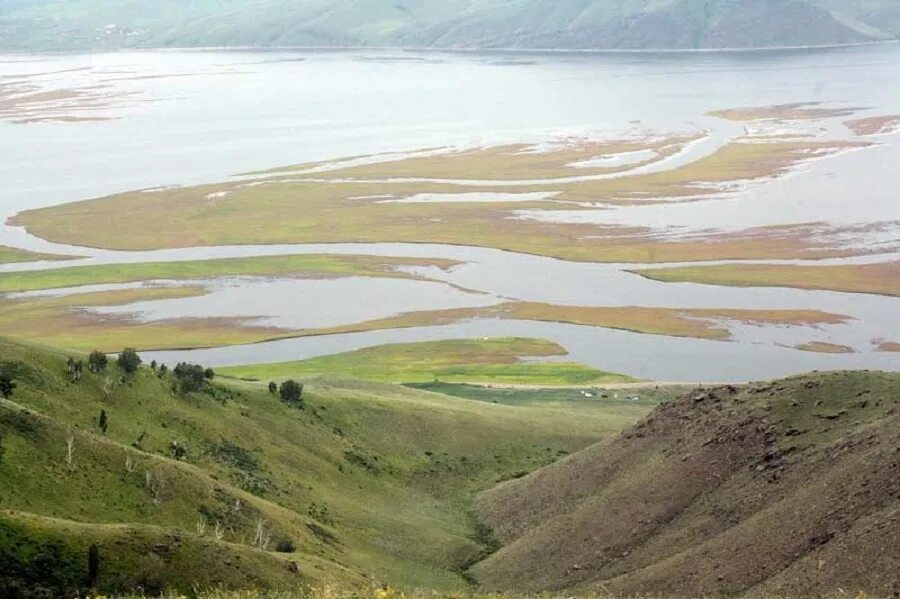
458 360
786 488
367 480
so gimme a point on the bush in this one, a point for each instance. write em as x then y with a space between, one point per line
97 362
7 385
209 374
273 387
285 546
129 360
292 392
189 377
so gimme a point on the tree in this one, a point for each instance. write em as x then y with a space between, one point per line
163 369
97 362
189 377
153 365
74 370
7 385
273 387
103 423
93 566
209 374
129 360
292 392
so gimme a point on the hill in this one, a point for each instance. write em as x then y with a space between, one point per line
228 485
789 488
558 24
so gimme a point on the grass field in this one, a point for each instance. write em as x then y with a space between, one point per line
291 209
368 480
8 255
459 360
882 278
299 265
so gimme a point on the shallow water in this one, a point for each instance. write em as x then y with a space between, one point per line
231 112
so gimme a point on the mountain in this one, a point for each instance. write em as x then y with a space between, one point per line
782 489
536 24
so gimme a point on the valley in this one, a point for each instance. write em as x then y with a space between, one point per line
438 324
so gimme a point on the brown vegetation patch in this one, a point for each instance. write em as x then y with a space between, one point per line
520 161
888 346
875 125
799 111
880 278
825 348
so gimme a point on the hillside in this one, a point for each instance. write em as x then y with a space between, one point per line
560 24
789 488
366 483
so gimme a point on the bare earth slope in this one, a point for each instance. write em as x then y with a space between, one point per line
789 488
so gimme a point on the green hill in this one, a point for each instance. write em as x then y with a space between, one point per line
789 488
642 24
231 486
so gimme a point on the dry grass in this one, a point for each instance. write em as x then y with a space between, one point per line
875 125
65 322
825 348
800 111
291 210
882 278
517 161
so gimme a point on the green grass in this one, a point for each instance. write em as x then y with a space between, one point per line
8 254
497 360
369 480
291 265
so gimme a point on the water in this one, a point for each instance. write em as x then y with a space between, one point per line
191 117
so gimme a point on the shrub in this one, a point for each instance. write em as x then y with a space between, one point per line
129 360
189 377
97 361
292 392
285 546
209 374
7 385
273 387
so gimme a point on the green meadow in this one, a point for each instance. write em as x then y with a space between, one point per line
489 360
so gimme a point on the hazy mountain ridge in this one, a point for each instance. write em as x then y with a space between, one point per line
564 24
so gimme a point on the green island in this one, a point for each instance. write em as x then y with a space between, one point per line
489 360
